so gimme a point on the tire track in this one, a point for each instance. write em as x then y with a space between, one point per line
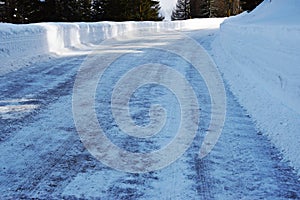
43 157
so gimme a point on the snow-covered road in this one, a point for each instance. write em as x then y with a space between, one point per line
42 154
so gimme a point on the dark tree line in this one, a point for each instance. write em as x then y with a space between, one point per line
182 10
29 11
248 5
124 10
186 9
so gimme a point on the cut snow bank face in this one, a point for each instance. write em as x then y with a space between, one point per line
21 44
272 12
259 54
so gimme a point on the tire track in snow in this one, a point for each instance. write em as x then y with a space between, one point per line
48 160
244 163
36 85
44 83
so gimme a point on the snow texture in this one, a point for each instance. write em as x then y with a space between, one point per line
43 157
259 55
22 44
257 52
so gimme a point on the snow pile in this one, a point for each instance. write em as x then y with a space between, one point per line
20 44
259 55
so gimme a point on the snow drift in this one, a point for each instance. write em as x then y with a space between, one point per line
259 54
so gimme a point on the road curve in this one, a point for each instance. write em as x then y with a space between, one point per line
43 156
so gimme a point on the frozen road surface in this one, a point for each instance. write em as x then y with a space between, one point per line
142 116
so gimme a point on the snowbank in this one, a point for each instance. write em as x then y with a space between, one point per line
259 54
20 44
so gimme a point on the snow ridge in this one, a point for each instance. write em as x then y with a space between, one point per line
22 44
259 55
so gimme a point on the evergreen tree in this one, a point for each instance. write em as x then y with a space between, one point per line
114 10
8 10
219 8
3 16
98 10
249 5
51 10
234 7
182 10
20 11
146 10
83 10
200 8
26 11
224 8
67 11
137 10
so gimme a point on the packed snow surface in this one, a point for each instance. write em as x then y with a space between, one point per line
257 53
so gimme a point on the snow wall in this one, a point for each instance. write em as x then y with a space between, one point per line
21 44
259 56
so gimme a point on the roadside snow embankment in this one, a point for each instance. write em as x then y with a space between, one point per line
22 44
259 55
